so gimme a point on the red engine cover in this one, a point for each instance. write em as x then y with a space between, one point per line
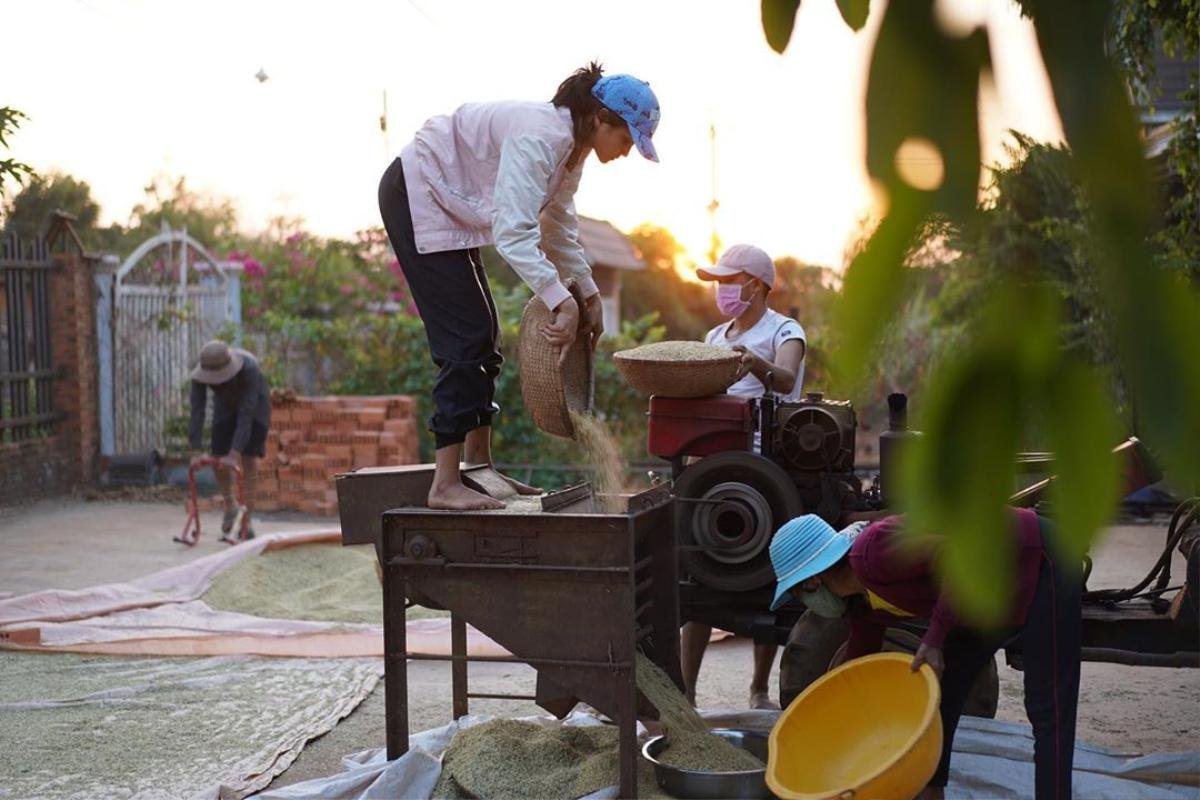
699 426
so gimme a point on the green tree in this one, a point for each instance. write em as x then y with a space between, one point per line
1009 366
11 170
1035 229
209 219
296 274
1139 30
807 293
499 273
28 212
684 307
805 290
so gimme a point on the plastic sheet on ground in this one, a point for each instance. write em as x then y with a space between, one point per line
369 775
992 759
160 614
91 726
174 585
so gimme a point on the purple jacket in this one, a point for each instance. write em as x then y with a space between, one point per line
906 579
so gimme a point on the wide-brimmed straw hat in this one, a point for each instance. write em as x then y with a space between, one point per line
218 363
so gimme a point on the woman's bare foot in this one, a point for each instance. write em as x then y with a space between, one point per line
522 488
457 497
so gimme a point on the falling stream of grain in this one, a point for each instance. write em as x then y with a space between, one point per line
605 459
690 745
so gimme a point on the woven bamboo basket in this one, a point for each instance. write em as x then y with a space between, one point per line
665 377
550 393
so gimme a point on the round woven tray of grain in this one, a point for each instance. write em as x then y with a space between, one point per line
550 393
678 369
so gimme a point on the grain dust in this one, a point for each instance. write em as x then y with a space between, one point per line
604 457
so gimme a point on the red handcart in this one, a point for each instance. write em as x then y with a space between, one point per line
240 531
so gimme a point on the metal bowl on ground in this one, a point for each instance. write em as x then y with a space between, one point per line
700 785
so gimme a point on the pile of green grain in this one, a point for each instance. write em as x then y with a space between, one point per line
320 582
689 743
504 759
678 351
82 726
604 457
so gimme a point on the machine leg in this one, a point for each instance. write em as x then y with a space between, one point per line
665 614
458 667
627 728
395 649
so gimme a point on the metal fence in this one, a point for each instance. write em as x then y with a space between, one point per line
27 370
158 331
153 313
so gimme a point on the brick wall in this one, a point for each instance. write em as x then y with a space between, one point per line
66 458
312 439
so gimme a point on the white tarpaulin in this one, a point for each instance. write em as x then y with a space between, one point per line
992 760
88 727
160 614
175 585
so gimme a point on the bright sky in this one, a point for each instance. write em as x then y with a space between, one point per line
119 91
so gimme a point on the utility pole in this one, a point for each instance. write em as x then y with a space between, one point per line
387 148
714 246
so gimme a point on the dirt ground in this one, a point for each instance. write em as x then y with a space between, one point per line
71 544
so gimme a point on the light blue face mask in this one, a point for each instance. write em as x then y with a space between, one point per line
824 603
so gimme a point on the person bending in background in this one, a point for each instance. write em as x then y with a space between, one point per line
772 347
240 420
502 173
875 569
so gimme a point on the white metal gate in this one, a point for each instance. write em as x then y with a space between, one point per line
166 300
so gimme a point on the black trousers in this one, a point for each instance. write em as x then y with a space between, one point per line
452 296
1050 642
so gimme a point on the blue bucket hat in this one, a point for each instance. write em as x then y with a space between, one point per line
804 547
634 101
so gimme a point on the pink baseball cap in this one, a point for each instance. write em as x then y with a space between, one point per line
746 258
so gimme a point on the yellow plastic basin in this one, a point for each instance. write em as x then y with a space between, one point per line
868 730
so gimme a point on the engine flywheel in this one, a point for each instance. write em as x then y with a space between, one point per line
727 508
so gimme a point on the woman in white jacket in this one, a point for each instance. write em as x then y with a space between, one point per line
505 174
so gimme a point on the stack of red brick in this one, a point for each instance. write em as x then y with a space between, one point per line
313 439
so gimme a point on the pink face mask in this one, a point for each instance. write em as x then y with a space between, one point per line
729 299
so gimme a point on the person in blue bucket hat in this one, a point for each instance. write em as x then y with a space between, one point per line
502 173
868 573
804 547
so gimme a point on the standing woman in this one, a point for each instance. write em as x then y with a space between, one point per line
501 173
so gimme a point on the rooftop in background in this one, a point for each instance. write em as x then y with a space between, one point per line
606 246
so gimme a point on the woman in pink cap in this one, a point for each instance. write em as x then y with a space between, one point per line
501 173
773 348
